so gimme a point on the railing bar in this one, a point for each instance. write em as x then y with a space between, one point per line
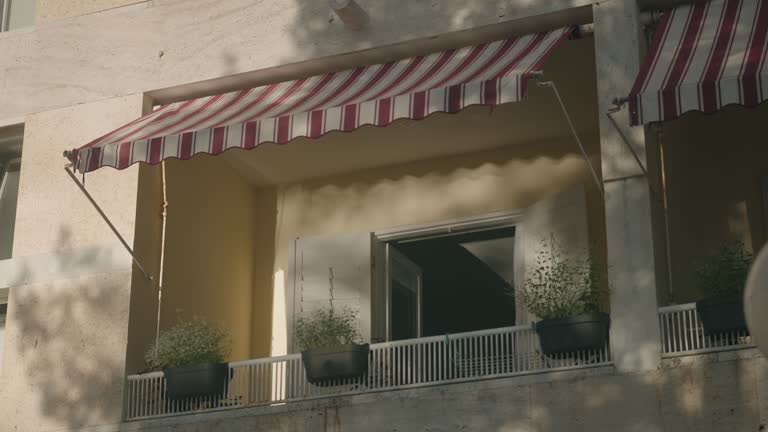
697 330
142 403
410 356
688 343
689 331
134 400
672 338
131 399
399 375
676 327
669 318
149 399
158 397
530 344
144 398
439 356
418 372
379 376
505 354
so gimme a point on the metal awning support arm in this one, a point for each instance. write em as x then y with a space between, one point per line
575 134
624 138
106 219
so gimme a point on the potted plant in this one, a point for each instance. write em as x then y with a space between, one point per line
330 345
722 278
191 355
566 293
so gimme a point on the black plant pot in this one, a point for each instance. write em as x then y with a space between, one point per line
333 363
722 315
577 333
203 380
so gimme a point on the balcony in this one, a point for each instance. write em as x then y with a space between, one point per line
429 361
682 334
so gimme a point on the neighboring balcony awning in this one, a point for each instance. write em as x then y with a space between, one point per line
703 57
488 74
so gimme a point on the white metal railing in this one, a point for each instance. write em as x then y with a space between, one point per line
682 333
391 365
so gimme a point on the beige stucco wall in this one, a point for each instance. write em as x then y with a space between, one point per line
50 10
64 353
714 166
52 213
64 350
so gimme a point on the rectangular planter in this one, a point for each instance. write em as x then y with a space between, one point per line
573 334
332 363
722 315
196 380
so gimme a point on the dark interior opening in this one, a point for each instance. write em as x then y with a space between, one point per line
467 282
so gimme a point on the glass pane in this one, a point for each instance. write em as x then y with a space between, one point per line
9 190
21 14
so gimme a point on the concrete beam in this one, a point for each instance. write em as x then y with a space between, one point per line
631 265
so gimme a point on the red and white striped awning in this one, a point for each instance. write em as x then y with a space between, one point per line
703 57
487 74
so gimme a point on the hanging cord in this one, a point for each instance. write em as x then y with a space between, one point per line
162 259
109 223
598 183
330 289
665 190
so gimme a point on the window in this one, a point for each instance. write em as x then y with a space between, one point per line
455 282
16 14
10 165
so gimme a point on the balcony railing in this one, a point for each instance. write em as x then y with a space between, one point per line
403 364
682 333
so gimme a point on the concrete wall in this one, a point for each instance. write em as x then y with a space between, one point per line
51 10
715 168
708 394
67 325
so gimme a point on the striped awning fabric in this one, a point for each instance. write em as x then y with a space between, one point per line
486 74
703 57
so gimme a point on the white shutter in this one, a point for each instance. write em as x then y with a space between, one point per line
349 256
564 216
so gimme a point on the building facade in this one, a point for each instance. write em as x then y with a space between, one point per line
254 238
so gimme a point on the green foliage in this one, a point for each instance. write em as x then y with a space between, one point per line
560 286
189 343
327 328
725 272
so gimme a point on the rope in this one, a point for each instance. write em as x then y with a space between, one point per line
162 260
